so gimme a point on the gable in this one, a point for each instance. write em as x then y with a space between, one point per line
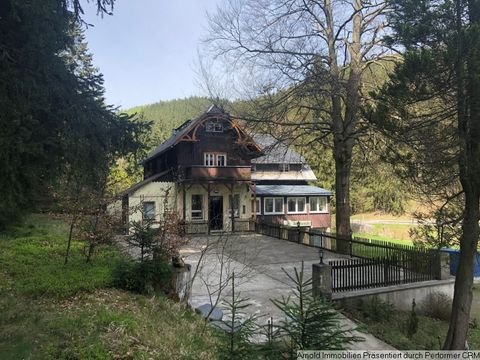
213 125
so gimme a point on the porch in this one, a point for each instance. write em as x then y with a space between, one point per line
215 207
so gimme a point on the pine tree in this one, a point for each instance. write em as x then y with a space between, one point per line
431 108
310 323
55 125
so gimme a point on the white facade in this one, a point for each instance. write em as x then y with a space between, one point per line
169 196
162 194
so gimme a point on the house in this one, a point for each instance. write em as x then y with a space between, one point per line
283 194
216 177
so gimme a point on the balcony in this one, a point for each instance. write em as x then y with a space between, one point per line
220 173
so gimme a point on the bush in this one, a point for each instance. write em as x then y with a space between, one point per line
142 276
437 305
377 309
411 327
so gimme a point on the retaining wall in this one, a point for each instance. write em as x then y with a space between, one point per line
401 296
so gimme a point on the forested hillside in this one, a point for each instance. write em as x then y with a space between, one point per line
167 115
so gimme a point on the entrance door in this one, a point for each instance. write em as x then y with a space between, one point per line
215 212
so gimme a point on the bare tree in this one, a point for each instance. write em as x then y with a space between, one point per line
304 64
215 260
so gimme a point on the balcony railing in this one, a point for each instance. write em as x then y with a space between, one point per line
219 173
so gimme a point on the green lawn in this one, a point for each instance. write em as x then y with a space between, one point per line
395 233
52 311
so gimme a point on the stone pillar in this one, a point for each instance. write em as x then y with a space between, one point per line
444 266
322 280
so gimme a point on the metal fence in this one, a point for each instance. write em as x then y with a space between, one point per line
373 263
359 274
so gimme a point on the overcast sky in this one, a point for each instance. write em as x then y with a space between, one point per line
147 50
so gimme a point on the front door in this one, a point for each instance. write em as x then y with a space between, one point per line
215 212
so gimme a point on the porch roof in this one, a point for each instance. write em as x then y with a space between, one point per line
291 190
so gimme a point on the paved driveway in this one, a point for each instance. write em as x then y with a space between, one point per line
257 262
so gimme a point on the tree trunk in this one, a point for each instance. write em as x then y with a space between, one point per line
468 107
91 248
344 127
69 241
462 300
343 162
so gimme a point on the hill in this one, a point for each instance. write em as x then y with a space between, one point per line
167 115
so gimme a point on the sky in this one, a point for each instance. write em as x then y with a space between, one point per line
148 49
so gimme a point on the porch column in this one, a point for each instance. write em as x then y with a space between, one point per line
255 210
208 208
184 199
232 213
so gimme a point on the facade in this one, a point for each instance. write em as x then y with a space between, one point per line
206 167
283 193
218 178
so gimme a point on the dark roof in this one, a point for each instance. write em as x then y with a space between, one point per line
284 190
275 151
180 131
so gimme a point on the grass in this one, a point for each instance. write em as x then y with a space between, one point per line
52 311
391 328
31 261
394 233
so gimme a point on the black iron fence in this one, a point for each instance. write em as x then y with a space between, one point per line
373 263
359 273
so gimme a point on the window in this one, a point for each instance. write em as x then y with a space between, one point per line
235 204
213 159
284 167
273 206
214 126
209 159
295 205
197 209
221 160
258 205
318 204
148 210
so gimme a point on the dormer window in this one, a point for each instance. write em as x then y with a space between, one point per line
214 126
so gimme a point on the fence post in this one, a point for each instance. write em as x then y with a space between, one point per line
298 232
386 271
322 280
442 265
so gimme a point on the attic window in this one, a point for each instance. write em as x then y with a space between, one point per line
284 167
214 126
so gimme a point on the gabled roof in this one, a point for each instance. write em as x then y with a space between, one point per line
275 151
291 190
184 129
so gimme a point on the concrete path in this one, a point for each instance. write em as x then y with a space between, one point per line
257 262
